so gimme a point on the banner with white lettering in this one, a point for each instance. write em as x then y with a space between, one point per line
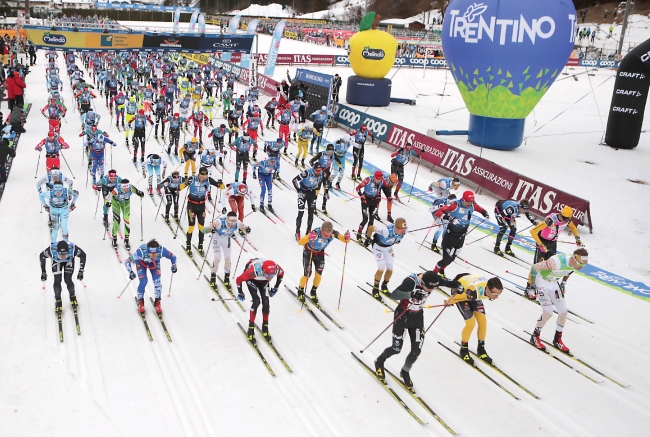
275 48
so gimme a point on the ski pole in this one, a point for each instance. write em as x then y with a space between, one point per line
220 300
416 175
38 164
425 237
386 329
205 258
479 224
240 251
426 227
515 274
157 212
485 236
96 206
169 293
66 163
141 222
444 308
127 284
179 220
345 254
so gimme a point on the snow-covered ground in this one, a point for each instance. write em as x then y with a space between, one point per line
112 380
638 30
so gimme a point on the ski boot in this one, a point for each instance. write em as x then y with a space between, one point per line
301 294
159 191
141 158
338 185
265 331
188 249
114 243
464 353
324 209
213 280
294 137
270 208
285 151
176 219
380 372
359 236
389 217
135 158
127 245
73 301
302 162
242 233
169 150
226 280
536 341
255 155
314 296
384 288
251 333
406 377
166 218
262 210
156 304
558 343
497 250
141 306
58 306
296 162
375 293
367 241
434 247
480 351
151 191
297 234
200 249
509 252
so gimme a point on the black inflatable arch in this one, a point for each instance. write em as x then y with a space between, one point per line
629 99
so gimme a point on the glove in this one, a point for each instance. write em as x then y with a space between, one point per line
140 193
47 208
562 286
174 268
166 184
273 291
486 214
43 276
95 187
541 248
347 236
578 242
39 149
223 211
362 198
313 235
254 208
419 295
80 275
131 275
182 161
108 204
254 175
240 294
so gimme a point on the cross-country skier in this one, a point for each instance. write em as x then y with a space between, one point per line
506 213
384 238
62 255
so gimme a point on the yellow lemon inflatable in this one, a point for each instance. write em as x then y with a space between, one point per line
372 51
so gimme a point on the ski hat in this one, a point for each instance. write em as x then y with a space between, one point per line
430 279
400 223
62 247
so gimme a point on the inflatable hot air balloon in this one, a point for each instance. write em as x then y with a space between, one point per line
504 55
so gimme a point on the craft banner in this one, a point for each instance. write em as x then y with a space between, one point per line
275 48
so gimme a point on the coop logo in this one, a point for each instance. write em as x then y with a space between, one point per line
351 117
607 63
589 63
172 42
472 27
376 126
225 44
342 60
373 54
400 61
53 39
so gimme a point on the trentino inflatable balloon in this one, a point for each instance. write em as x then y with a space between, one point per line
504 55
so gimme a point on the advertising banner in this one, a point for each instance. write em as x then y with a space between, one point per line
114 41
275 48
290 34
252 27
287 59
177 19
106 5
234 24
504 56
315 39
56 39
193 19
226 43
604 63
162 41
353 119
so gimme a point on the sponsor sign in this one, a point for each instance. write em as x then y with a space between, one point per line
315 39
314 77
45 37
105 5
353 119
290 34
113 41
171 42
287 59
605 63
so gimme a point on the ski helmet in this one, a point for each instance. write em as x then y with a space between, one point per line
62 249
318 168
567 212
363 128
141 112
379 175
468 196
269 268
330 147
203 171
323 108
243 189
400 223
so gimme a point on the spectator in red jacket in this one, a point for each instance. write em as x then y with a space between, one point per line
19 87
11 97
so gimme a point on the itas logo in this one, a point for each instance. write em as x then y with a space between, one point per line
56 40
373 54
171 42
472 27
106 41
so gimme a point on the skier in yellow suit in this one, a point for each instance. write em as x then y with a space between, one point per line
469 303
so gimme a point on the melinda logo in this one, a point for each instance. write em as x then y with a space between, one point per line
58 40
472 27
374 54
172 42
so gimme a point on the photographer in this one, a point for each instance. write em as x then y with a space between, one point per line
16 119
18 89
5 151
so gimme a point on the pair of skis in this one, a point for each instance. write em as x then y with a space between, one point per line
59 320
146 325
